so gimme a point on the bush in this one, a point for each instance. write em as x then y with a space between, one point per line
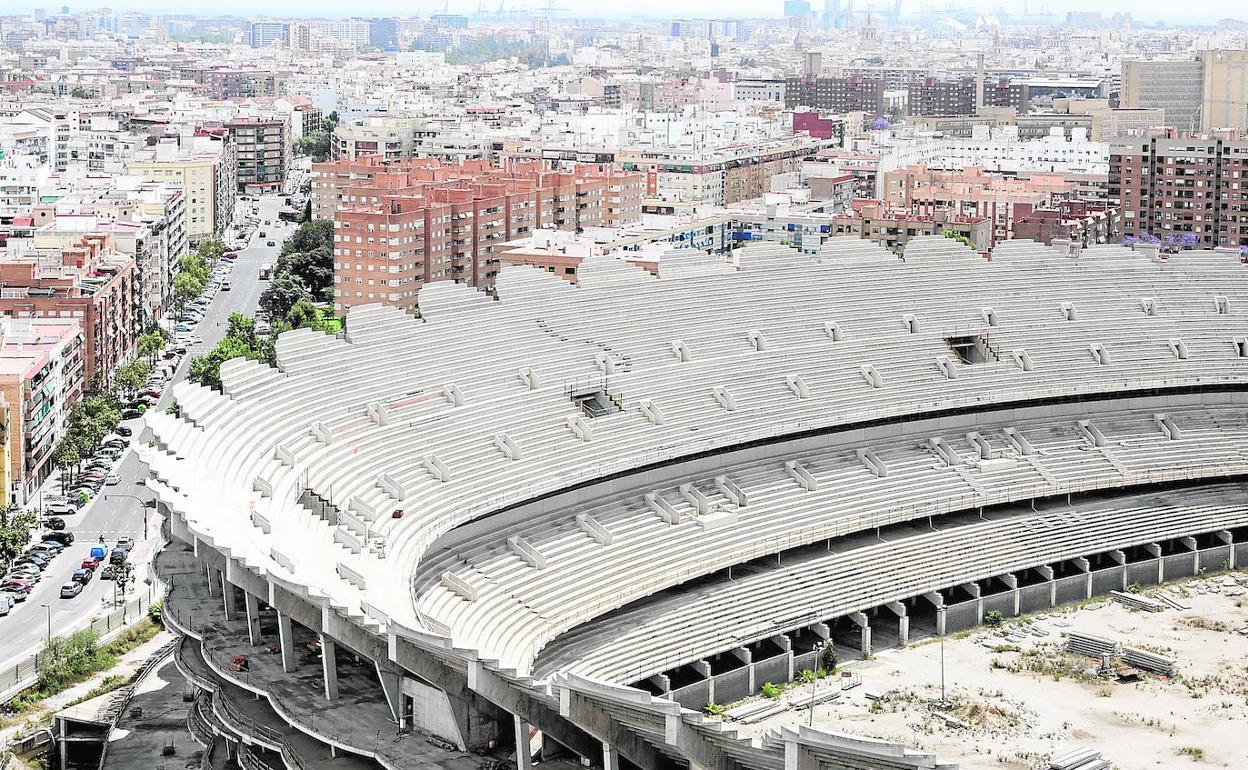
807 676
994 618
713 708
829 659
155 613
771 691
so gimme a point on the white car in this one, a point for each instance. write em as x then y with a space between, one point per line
112 479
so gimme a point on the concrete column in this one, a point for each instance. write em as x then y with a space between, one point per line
1047 573
703 667
214 580
903 623
861 619
822 631
786 644
744 655
663 682
938 601
329 666
1011 580
1154 550
286 637
1120 559
610 757
978 594
227 598
1225 537
251 606
1085 566
524 760
1190 544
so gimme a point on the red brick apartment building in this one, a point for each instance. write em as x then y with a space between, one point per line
398 226
90 282
1169 185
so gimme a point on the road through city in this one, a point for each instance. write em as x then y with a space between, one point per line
118 511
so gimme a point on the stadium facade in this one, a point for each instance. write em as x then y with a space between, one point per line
587 511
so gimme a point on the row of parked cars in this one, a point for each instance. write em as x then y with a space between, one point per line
28 569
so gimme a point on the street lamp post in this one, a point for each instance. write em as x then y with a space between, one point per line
815 684
943 617
142 503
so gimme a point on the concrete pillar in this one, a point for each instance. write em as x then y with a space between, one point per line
663 682
978 594
822 631
903 623
1154 549
938 600
227 598
1011 580
251 606
785 643
1047 573
214 580
1120 559
744 655
1085 566
861 619
610 757
286 638
329 667
703 667
1189 543
1225 537
524 759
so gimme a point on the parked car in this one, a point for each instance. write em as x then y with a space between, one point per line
64 538
131 414
55 523
225 286
126 543
51 546
19 591
270 243
183 327
108 573
112 479
89 564
118 556
6 603
70 590
124 431
83 576
60 509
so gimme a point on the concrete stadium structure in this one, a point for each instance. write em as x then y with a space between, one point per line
590 510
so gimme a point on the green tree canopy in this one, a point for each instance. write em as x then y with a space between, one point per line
281 295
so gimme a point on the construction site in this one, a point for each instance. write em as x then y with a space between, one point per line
1141 679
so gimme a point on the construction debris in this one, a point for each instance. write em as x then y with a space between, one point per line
1082 758
1090 646
1148 661
1136 601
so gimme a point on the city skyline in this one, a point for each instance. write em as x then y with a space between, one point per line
1147 11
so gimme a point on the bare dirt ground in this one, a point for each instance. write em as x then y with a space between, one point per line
1018 699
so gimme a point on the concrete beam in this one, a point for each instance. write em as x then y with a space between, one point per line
610 757
329 667
494 690
599 724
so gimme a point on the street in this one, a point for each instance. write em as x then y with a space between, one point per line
116 513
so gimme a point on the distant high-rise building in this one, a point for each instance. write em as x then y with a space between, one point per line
796 8
1224 93
41 14
450 20
383 34
1174 86
266 33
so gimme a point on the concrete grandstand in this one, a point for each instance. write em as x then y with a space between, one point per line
588 511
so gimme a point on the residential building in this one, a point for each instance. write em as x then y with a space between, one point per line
836 94
1224 93
1168 186
262 146
893 228
1079 222
205 165
451 220
931 96
42 375
90 281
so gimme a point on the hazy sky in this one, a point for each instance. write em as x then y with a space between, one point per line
1144 10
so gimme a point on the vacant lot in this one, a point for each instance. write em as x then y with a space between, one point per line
1017 698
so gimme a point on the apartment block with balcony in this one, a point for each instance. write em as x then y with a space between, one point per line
263 152
42 375
1167 186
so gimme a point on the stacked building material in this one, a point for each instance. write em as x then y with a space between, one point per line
1089 645
1148 661
1136 601
1082 758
